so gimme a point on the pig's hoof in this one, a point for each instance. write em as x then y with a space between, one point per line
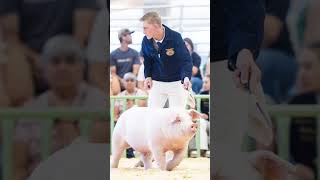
139 164
114 165
169 168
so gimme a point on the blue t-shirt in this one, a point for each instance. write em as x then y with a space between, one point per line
124 60
170 62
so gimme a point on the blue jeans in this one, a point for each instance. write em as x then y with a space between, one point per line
278 73
129 153
196 84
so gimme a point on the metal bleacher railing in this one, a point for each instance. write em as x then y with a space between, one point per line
283 114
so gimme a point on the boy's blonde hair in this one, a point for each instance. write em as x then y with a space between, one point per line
151 18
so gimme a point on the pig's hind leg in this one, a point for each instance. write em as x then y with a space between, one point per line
118 146
160 157
177 158
146 158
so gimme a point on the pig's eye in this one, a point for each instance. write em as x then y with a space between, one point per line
177 120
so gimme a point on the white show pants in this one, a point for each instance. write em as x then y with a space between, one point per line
161 91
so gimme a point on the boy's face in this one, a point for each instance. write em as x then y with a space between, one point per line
150 30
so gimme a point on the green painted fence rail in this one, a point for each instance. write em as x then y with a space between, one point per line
46 116
283 115
124 98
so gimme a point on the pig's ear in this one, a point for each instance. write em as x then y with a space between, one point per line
194 114
177 119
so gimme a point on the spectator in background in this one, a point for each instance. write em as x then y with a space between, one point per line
114 85
130 90
205 91
303 130
206 69
28 25
140 77
124 59
196 78
276 60
64 64
309 71
204 123
205 110
303 23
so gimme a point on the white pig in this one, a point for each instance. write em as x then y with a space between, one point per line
153 132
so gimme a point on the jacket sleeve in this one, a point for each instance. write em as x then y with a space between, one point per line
186 70
147 62
245 24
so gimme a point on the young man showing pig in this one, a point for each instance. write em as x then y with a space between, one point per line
167 63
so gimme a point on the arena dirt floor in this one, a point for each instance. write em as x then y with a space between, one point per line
189 168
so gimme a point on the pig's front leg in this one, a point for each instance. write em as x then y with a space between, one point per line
146 158
177 158
160 157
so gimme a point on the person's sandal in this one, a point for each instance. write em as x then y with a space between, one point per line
208 154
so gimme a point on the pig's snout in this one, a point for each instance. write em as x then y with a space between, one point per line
194 127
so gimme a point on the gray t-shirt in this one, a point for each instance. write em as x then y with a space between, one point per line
41 19
124 61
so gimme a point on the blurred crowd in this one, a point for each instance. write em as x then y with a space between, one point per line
52 54
290 66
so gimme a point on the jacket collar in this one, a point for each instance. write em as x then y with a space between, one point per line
168 35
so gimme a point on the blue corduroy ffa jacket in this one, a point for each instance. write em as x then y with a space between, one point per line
236 25
171 62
